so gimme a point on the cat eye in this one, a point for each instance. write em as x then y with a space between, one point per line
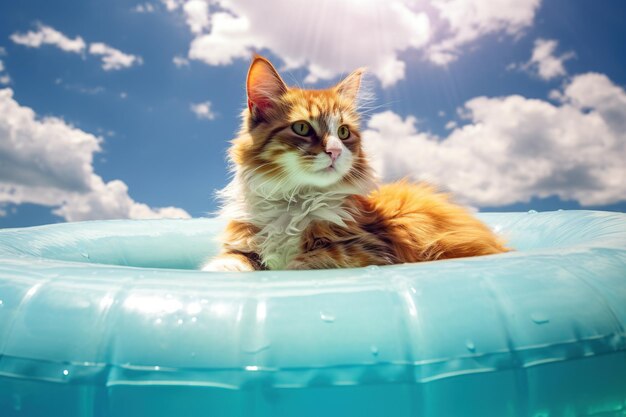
343 132
302 128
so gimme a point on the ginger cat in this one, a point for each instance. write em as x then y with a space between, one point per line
304 196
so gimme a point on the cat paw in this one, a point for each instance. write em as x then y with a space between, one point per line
228 264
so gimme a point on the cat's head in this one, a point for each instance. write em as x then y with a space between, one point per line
294 139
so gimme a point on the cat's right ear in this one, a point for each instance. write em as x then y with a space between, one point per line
264 87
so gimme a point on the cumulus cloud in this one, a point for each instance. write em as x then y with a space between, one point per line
337 36
113 59
513 148
180 61
543 61
48 162
464 21
4 77
144 8
329 39
203 110
45 35
172 5
197 14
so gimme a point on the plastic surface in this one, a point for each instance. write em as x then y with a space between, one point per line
93 323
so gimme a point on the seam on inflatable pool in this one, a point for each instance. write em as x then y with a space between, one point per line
410 324
520 374
29 294
108 338
598 293
103 369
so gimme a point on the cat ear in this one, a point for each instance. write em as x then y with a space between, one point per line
349 86
264 86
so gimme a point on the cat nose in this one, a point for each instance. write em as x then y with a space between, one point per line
333 148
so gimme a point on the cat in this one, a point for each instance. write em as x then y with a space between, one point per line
304 196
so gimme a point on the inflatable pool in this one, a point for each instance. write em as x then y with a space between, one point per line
111 319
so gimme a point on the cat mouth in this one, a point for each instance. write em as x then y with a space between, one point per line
330 168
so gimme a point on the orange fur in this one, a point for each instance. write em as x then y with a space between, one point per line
292 206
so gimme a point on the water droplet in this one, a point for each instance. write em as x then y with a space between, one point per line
373 268
539 318
194 319
252 368
158 321
327 317
157 368
470 345
180 321
532 211
84 255
1 302
560 210
374 350
66 372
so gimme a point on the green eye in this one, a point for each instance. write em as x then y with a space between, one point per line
343 132
302 128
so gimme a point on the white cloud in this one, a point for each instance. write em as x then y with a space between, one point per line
113 59
329 39
48 162
465 21
334 37
144 8
543 62
514 148
197 14
45 35
180 61
203 110
172 5
4 77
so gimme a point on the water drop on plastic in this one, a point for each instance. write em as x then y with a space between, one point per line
470 345
539 318
327 317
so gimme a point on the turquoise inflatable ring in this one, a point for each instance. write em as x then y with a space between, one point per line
112 318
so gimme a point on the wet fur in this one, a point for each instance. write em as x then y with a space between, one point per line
285 211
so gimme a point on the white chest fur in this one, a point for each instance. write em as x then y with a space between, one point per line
283 220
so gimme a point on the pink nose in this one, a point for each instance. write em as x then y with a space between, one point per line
333 152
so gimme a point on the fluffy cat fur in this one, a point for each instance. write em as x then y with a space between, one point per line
302 198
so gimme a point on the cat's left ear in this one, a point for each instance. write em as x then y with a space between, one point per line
349 87
264 87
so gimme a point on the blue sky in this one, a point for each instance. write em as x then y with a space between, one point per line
97 116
